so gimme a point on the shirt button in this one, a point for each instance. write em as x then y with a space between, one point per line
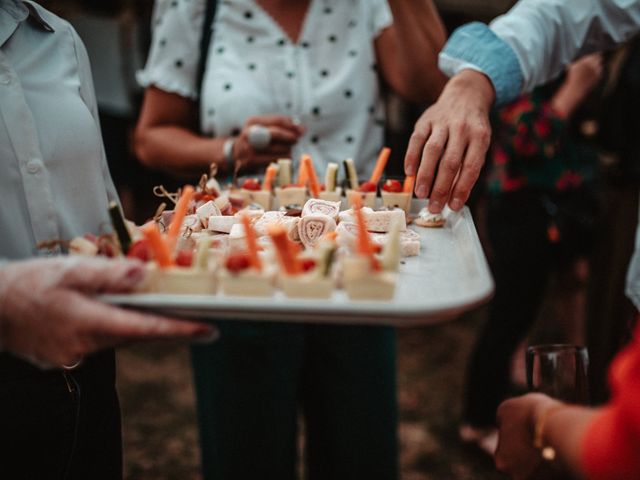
34 166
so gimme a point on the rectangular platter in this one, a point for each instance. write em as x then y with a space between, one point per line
449 277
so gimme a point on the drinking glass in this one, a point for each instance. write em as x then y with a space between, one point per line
560 371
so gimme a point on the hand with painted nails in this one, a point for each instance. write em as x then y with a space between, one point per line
47 315
450 140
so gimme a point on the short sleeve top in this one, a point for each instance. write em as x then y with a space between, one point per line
327 80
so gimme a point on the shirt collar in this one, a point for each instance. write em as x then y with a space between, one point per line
14 12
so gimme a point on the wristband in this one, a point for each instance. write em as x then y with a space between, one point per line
227 153
546 451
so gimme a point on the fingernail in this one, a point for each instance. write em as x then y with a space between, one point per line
434 206
207 335
456 204
135 275
421 192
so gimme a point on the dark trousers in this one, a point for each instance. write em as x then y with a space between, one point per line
56 425
522 262
254 381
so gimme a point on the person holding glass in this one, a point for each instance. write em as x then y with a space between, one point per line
309 75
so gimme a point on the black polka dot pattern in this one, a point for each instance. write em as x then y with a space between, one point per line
315 139
250 39
162 42
332 38
328 10
179 63
353 53
220 50
352 23
349 139
316 111
227 87
248 14
305 44
251 66
324 73
348 93
282 42
211 112
290 75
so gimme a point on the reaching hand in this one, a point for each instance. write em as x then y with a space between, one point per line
449 142
48 317
284 134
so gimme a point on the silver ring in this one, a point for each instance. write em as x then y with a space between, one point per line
74 366
259 137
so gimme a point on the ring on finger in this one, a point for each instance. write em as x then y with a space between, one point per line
259 137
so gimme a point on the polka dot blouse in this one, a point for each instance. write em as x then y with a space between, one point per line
328 79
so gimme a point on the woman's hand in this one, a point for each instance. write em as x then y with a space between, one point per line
449 142
582 77
284 134
517 417
47 315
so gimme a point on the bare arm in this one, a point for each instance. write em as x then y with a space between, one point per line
408 50
165 137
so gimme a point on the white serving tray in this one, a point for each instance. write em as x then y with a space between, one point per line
450 276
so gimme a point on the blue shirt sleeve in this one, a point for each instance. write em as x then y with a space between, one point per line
475 46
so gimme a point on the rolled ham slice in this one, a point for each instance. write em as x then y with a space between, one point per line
347 233
323 207
312 228
377 220
409 242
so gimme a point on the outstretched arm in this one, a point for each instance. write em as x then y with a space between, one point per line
527 46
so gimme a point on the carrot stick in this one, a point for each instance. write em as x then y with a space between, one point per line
409 183
313 178
268 177
158 246
252 244
285 250
383 158
331 236
303 175
179 213
364 243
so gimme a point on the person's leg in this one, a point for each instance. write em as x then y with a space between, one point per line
517 230
247 386
48 432
349 400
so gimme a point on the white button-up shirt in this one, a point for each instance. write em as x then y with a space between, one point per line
54 178
327 79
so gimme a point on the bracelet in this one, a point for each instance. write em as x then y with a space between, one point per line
548 452
227 153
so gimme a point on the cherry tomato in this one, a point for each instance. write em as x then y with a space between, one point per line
140 250
251 184
237 262
308 264
367 187
184 258
393 186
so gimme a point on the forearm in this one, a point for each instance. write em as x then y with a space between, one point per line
417 27
536 39
566 100
179 151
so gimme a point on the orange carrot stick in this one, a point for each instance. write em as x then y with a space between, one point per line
364 245
252 244
313 178
409 183
383 158
158 246
284 248
268 177
303 175
179 213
